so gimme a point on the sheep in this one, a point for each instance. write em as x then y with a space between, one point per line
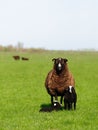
55 106
24 58
16 57
58 79
70 97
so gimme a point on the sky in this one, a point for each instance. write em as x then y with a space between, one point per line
49 24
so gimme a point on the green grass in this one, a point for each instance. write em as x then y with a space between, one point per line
22 92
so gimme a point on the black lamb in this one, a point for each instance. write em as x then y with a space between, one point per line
70 98
55 106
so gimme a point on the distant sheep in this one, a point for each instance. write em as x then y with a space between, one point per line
24 58
58 79
70 98
16 57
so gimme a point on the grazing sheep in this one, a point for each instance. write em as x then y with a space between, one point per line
55 106
24 58
16 57
58 79
70 98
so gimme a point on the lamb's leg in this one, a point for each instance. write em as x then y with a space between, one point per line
68 106
74 105
65 104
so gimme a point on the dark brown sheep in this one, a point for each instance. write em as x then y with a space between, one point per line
58 79
16 57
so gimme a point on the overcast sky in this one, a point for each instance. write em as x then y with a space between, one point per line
50 24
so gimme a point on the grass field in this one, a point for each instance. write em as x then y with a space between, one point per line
22 92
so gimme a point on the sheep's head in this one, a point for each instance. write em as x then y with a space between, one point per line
59 64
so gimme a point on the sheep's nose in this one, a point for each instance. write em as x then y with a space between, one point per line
59 65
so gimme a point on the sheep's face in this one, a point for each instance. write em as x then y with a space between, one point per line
59 64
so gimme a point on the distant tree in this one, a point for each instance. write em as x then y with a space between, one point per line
19 45
10 48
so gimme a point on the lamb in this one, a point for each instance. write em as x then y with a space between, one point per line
58 79
70 98
55 106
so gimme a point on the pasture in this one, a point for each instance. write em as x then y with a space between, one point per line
22 92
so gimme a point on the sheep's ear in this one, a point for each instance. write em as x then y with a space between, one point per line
65 60
53 59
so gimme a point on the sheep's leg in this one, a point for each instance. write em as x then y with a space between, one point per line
51 99
61 99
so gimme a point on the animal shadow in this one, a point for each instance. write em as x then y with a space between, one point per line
49 108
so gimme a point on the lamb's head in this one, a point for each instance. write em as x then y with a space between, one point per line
59 64
57 105
71 89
